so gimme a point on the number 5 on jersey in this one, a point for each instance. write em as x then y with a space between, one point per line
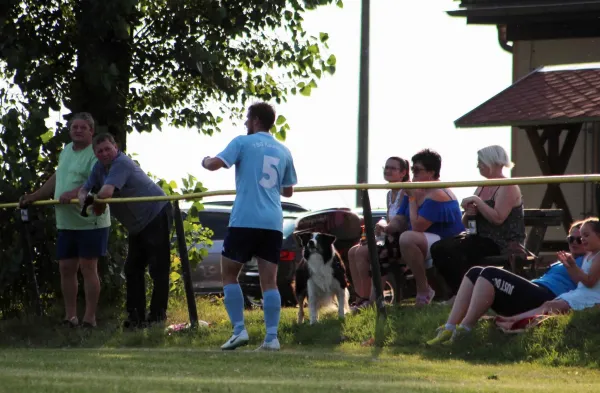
269 179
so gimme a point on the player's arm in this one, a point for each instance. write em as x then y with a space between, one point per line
289 179
287 191
213 163
226 158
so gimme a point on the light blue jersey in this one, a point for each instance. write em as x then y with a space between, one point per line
263 166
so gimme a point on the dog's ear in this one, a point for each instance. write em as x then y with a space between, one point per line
327 239
302 238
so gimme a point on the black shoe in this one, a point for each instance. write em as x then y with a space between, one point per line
72 323
87 325
133 324
156 318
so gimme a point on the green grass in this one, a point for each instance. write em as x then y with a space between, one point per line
560 355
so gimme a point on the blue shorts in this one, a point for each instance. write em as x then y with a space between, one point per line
241 244
89 243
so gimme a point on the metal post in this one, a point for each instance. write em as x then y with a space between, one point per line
185 266
597 199
376 272
28 261
362 168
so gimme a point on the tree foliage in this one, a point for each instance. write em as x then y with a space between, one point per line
136 65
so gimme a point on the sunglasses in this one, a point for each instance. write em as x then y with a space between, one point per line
574 239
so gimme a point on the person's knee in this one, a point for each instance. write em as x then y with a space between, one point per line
267 274
68 267
410 238
474 273
362 255
490 273
230 270
89 267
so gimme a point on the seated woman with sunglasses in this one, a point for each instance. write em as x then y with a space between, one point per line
506 293
396 170
425 216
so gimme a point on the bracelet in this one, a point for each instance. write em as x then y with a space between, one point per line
412 199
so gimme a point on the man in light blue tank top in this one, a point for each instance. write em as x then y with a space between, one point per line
264 170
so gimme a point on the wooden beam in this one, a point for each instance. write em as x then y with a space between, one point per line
554 161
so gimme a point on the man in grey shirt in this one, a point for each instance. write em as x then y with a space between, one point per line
148 223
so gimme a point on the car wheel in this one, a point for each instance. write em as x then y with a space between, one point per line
390 289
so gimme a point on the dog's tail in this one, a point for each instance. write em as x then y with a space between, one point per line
347 301
331 304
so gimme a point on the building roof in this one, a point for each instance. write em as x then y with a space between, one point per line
503 11
548 95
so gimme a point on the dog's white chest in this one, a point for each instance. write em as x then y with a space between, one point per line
321 274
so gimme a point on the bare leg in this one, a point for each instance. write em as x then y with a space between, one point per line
413 247
68 283
481 301
358 258
461 303
89 271
553 306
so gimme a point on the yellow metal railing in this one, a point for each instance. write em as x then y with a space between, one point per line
590 178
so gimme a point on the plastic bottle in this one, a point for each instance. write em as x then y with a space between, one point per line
471 225
381 236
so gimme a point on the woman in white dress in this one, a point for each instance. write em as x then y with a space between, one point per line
587 293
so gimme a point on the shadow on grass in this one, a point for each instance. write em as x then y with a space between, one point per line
569 340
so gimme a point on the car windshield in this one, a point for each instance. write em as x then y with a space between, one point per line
216 221
289 224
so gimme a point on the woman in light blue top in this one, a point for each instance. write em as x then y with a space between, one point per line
507 293
424 217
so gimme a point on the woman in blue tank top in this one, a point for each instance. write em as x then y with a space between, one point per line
424 217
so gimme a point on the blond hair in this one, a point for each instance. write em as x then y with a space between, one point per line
494 155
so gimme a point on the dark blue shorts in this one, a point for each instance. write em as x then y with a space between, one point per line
241 244
89 243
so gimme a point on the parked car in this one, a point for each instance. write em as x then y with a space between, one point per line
206 277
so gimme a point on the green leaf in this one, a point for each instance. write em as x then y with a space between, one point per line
340 3
173 184
323 37
281 135
305 91
280 120
331 60
46 136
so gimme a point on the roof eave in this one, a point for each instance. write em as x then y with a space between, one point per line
529 123
500 12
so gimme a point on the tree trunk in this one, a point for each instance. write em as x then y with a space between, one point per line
104 42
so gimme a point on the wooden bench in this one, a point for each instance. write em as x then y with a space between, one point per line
539 220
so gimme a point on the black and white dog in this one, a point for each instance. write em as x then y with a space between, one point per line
321 276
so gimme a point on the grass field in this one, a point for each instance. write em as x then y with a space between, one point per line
39 356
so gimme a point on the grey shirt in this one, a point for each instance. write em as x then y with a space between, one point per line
129 180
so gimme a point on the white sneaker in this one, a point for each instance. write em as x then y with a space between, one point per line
237 340
269 346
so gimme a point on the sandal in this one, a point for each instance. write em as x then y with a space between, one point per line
424 300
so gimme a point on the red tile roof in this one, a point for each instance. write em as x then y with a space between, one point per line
545 96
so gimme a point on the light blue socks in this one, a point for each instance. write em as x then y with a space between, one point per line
272 310
234 304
